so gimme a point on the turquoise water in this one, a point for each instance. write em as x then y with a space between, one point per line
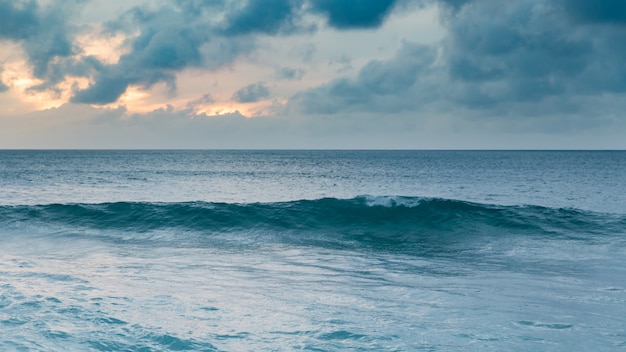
312 250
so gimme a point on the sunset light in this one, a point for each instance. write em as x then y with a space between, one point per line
399 74
312 175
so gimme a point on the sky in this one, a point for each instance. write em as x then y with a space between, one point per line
322 74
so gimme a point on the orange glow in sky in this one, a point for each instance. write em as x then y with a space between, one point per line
106 49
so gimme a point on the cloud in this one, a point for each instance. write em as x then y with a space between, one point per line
509 60
262 16
382 86
513 59
192 106
166 39
81 126
180 36
205 99
18 20
531 50
3 86
290 73
170 40
42 31
285 16
349 14
341 63
251 93
455 4
525 47
605 11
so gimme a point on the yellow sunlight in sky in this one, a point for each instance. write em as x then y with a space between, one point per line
248 110
106 49
18 75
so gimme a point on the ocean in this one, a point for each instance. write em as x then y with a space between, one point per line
312 250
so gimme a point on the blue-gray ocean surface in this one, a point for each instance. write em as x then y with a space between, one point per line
312 250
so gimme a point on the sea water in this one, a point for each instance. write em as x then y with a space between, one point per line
312 250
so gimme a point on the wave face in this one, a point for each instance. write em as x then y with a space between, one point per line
400 223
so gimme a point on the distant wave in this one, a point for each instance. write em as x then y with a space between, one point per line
386 222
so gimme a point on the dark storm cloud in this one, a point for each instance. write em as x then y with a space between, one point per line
176 37
156 54
345 14
527 49
18 20
531 50
380 86
598 11
57 71
266 17
496 54
42 31
170 40
283 16
251 93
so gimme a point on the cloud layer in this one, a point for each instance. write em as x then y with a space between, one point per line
42 31
522 50
251 93
498 58
176 36
540 65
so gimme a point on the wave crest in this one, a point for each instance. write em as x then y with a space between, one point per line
374 221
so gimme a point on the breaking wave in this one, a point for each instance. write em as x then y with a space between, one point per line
376 222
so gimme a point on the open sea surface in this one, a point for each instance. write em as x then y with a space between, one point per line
312 250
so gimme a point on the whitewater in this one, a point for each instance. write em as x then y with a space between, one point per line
312 250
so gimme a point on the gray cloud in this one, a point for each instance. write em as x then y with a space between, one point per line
526 49
508 59
497 55
347 14
178 35
604 11
251 93
170 40
81 126
290 73
42 31
205 99
341 63
3 86
18 20
382 86
454 4
200 7
531 51
284 16
266 16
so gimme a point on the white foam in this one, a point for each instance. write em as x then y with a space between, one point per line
392 201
